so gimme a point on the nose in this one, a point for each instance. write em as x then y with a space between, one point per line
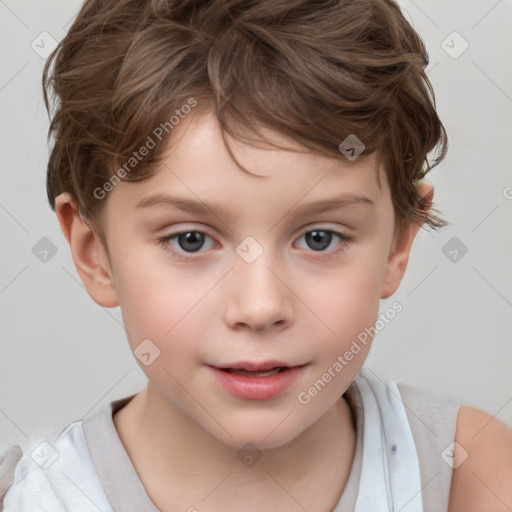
258 296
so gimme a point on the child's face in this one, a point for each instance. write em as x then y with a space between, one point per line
227 303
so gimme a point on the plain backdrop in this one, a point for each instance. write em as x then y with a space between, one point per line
63 357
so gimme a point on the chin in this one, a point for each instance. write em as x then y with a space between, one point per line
264 435
255 442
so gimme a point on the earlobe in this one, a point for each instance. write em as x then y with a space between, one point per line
88 252
399 256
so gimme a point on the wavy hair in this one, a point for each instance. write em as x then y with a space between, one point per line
314 70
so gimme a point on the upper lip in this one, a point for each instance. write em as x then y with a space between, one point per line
254 366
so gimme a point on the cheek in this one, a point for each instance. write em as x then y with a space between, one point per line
348 298
166 310
157 300
346 307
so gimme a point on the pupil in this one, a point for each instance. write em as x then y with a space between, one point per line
315 239
193 238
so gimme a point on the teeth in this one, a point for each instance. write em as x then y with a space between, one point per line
246 373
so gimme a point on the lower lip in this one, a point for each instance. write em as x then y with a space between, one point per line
256 388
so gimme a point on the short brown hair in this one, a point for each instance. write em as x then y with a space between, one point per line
314 70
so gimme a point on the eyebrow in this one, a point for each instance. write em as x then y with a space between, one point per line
203 207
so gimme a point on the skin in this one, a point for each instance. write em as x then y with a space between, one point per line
291 303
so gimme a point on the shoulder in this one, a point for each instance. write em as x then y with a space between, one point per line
8 462
40 476
482 469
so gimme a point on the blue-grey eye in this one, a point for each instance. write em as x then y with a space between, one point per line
191 241
187 241
318 240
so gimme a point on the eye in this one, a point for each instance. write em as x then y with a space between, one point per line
182 243
189 242
320 239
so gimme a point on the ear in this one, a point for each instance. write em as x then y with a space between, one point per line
404 237
88 252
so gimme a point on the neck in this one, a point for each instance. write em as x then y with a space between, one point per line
168 452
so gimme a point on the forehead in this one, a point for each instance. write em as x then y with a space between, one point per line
197 165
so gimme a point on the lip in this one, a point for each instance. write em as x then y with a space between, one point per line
256 388
254 366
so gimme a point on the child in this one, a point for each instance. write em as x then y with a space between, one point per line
254 129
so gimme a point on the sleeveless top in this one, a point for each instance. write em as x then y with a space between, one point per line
401 435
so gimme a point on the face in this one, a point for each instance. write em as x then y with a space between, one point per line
243 269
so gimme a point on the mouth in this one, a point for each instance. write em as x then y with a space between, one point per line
257 373
256 369
256 380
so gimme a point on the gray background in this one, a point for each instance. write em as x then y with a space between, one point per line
63 356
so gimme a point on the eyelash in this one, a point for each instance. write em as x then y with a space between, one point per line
164 243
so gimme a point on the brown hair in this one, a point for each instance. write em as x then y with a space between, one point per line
315 70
